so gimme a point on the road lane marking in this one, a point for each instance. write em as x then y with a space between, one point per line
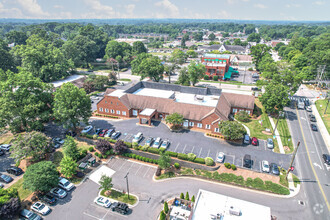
318 165
138 169
122 165
310 162
176 147
92 216
130 167
146 172
200 152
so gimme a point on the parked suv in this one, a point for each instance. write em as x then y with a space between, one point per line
15 171
137 138
247 162
246 139
122 208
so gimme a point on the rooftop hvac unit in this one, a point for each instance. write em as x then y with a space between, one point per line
234 211
199 97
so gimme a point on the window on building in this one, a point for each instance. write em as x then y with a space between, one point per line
118 112
135 112
191 124
110 102
199 125
106 110
123 112
112 111
234 110
248 111
221 71
216 130
101 109
208 126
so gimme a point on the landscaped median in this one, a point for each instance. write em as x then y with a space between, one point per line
119 196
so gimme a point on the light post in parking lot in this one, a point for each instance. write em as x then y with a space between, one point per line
127 184
294 155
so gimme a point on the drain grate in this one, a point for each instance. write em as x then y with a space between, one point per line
301 202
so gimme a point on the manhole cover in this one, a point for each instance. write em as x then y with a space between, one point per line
301 202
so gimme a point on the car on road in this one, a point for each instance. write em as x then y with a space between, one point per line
109 133
220 157
309 108
2 152
1 186
102 201
59 193
165 144
137 138
255 89
149 141
65 184
326 158
274 169
116 134
98 131
87 129
5 147
246 139
265 166
15 171
270 143
157 142
313 126
254 141
103 132
27 214
247 161
48 198
5 178
40 208
312 118
58 141
122 208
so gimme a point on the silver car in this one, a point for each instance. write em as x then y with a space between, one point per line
270 143
157 142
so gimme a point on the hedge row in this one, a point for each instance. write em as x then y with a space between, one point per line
138 157
107 116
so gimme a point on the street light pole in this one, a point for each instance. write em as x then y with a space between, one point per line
127 184
278 118
293 157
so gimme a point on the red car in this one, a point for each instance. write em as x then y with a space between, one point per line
254 141
103 132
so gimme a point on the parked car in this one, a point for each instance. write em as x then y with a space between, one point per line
2 152
247 162
149 141
59 193
246 139
103 132
307 102
255 89
109 133
309 108
27 214
312 118
5 178
265 166
87 129
65 184
313 126
15 171
274 169
1 186
137 138
116 134
48 198
40 208
326 158
122 208
71 133
102 201
270 143
58 141
220 157
165 144
157 142
98 131
254 141
5 147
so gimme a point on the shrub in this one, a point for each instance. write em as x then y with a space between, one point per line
181 196
249 181
162 215
177 165
209 161
233 167
227 165
172 154
136 148
258 183
199 160
153 150
84 152
240 180
145 148
104 156
95 136
96 154
135 145
187 196
215 78
162 149
191 156
91 149
182 156
166 207
206 77
129 144
89 136
242 116
158 171
250 69
193 198
276 188
198 172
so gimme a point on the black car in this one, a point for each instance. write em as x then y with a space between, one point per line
312 118
48 198
307 102
274 169
247 162
326 158
122 208
71 133
255 89
15 171
98 131
5 178
2 152
314 128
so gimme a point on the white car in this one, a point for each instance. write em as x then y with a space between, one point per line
137 138
157 142
220 157
65 184
40 208
5 147
265 166
59 193
165 144
309 108
87 129
102 201
58 141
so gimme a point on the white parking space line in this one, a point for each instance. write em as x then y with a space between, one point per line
193 149
130 167
89 215
208 153
122 165
138 170
200 152
112 165
146 172
176 147
184 148
216 155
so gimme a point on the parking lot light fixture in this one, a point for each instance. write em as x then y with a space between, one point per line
127 184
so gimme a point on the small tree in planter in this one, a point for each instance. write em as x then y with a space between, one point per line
106 183
166 207
162 216
175 119
193 198
242 116
164 161
187 196
181 196
103 146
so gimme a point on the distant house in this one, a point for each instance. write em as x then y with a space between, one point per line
237 59
208 48
236 49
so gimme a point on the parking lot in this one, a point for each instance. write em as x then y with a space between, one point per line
5 163
244 77
195 142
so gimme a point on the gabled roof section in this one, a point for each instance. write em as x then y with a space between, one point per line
238 100
234 47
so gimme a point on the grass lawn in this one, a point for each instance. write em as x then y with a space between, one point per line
165 175
285 135
83 145
295 180
227 82
321 105
119 196
22 193
124 79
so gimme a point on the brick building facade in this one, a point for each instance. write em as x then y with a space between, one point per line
216 64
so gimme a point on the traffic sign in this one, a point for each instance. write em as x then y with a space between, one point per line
292 168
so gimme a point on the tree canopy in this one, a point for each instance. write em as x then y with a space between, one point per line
151 67
195 71
70 148
174 118
68 167
231 130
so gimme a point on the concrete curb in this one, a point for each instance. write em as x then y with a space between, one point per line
278 138
322 128
113 200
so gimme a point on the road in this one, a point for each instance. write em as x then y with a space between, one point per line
312 171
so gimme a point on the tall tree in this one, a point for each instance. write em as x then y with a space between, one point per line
184 77
258 52
71 105
6 59
196 71
138 47
211 36
275 97
68 167
178 57
164 161
175 119
169 69
137 61
106 183
254 37
231 130
70 148
152 68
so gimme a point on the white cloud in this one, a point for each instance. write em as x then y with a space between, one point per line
260 6
32 8
130 8
99 10
292 5
10 13
174 10
236 1
58 6
319 3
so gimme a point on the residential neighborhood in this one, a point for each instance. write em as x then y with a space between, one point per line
156 110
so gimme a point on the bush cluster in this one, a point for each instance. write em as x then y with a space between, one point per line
199 160
215 78
141 158
242 116
107 116
91 149
209 161
191 156
153 150
206 77
177 165
227 165
214 135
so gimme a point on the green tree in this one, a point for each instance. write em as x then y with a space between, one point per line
106 183
6 59
258 52
25 102
68 167
166 207
33 146
138 48
183 43
175 119
9 203
187 196
70 148
17 37
164 161
275 97
184 77
193 198
162 215
231 130
254 37
279 45
196 71
198 36
71 105
115 49
152 68
169 70
181 196
178 57
135 64
242 116
227 42
192 53
211 36
226 34
41 176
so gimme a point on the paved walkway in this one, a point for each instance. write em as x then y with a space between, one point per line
322 128
278 138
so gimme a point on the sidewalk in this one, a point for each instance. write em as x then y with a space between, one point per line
278 138
322 128
293 190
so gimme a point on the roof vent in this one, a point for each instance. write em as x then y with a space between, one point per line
199 97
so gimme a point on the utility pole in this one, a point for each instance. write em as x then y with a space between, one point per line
325 111
244 73
294 155
127 184
278 118
319 76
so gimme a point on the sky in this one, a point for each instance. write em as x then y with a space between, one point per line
292 10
